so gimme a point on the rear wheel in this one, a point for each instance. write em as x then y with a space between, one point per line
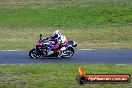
68 53
33 53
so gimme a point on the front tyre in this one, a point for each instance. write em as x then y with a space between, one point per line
68 53
33 53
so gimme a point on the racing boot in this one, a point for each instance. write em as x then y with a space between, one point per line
59 53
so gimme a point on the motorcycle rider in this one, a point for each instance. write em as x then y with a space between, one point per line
57 40
64 45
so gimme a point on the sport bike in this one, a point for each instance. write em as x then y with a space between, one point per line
41 49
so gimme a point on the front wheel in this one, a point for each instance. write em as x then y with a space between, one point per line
68 53
33 53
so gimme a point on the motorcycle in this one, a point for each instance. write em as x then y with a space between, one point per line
41 49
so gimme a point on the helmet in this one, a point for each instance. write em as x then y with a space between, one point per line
57 34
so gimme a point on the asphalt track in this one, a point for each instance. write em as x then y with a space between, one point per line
121 56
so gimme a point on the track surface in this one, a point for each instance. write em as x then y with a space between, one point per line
81 56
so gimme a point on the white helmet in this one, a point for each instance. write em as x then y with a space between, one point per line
57 34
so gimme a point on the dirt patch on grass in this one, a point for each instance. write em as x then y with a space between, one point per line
12 79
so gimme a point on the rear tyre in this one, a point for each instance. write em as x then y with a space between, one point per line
69 52
33 53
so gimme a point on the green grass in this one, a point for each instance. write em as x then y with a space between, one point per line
56 75
99 38
95 12
91 23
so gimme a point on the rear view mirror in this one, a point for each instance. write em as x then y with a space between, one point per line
40 36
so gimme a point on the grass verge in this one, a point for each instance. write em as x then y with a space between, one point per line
57 75
92 37
91 23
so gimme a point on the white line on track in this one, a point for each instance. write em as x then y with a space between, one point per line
11 50
87 49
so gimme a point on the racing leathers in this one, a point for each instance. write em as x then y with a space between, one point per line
64 45
54 44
